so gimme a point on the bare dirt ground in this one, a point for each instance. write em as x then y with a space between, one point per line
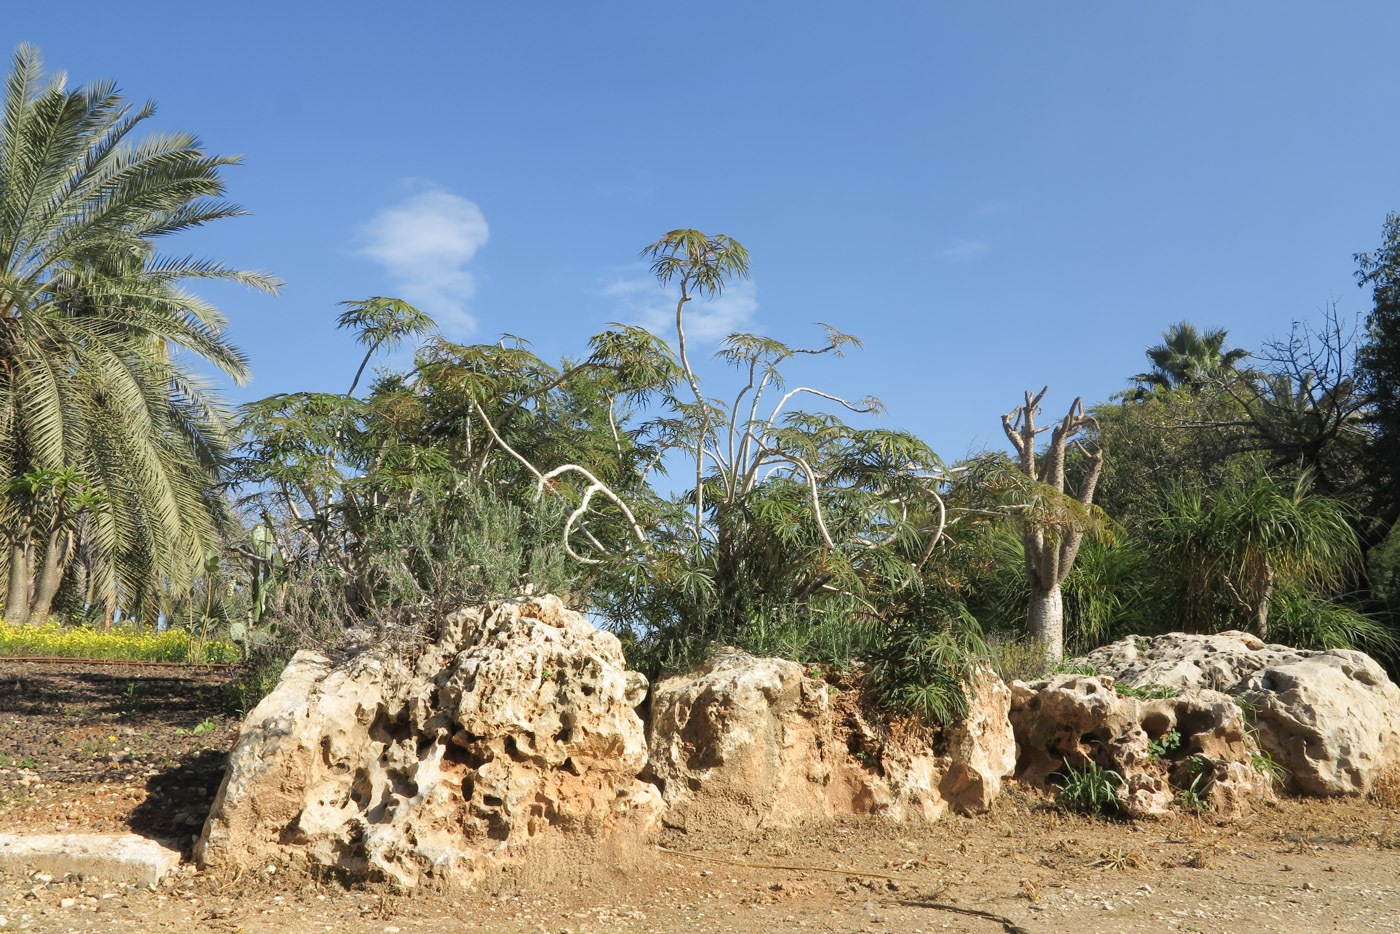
104 749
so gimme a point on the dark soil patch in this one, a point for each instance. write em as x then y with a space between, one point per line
106 748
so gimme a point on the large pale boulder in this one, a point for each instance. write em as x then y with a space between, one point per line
1331 718
513 731
750 742
1196 741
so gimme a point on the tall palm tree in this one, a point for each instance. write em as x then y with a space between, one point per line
1188 359
96 331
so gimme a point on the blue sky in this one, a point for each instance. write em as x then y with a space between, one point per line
994 196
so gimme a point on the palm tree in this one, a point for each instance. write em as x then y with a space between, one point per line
91 320
1188 359
1253 540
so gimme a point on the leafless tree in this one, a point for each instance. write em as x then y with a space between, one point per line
1053 523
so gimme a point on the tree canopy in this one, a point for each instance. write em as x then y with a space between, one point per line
111 444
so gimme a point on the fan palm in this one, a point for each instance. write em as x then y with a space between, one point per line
1187 359
96 329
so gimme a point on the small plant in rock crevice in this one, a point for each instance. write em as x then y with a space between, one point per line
1146 691
1090 790
1196 796
1168 743
1259 757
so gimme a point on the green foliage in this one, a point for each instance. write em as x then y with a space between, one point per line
1308 621
1167 440
1168 743
1111 591
1188 359
452 544
1090 790
199 729
256 679
1146 691
1265 765
927 668
1379 360
98 329
795 520
382 323
1016 657
1195 797
1071 667
1240 545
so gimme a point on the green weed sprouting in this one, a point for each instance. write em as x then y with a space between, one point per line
1146 691
1090 790
1168 743
1196 796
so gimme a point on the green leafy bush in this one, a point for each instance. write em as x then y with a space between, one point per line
927 669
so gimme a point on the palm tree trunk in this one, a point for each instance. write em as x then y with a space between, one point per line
17 597
56 551
1047 621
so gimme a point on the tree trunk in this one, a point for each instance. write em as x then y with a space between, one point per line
50 575
1261 609
17 597
1047 621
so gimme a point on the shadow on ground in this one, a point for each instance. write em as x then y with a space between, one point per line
178 800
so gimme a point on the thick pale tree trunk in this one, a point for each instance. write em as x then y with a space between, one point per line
50 575
1046 621
17 596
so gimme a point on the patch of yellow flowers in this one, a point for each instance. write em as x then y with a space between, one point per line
142 645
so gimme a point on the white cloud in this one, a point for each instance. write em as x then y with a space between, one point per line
641 301
962 251
424 244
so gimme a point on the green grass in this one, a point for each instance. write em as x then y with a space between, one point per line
1147 691
1090 790
137 645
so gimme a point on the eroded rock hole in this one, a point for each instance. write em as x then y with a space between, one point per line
1191 723
514 751
361 790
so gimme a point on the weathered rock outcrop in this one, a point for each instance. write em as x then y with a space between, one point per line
1196 741
749 742
514 730
1331 719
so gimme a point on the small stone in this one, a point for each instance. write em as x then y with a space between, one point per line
67 902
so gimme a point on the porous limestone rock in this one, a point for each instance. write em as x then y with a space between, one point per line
512 734
1196 741
1331 718
753 742
1219 661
